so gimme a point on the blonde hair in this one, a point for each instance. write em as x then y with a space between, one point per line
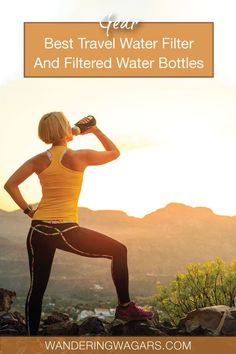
53 126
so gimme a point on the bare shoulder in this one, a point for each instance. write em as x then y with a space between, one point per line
40 162
78 156
74 159
39 157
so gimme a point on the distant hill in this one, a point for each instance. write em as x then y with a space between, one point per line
159 244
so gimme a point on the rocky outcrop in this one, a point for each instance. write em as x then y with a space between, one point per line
135 328
6 299
210 321
12 324
93 326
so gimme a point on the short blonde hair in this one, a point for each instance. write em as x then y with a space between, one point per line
53 126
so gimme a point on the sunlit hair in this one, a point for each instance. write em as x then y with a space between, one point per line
52 127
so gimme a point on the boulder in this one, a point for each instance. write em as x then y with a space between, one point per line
6 299
12 324
18 316
94 326
134 328
212 320
62 328
229 327
56 317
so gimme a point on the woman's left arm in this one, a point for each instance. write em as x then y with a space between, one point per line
19 176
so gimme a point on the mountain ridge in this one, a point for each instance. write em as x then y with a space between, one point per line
173 206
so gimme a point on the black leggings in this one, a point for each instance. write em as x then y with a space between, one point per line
42 241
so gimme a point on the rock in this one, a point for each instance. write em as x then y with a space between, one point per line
167 324
58 323
56 317
167 327
10 324
135 327
17 315
7 317
170 331
212 320
93 326
229 327
6 299
66 328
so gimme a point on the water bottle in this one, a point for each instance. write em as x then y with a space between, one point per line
82 127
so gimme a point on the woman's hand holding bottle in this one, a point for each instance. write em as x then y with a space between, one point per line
84 126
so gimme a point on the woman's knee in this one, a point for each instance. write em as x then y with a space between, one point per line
122 249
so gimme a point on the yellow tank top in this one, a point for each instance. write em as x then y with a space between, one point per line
61 188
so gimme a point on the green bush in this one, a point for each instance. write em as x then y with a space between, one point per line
203 284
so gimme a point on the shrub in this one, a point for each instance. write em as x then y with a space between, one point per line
203 284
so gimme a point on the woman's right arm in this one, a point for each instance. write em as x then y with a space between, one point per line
93 157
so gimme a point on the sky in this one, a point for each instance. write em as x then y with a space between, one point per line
176 136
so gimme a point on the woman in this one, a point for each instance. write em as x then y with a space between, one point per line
55 221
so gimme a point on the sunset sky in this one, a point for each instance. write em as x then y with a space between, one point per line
176 136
